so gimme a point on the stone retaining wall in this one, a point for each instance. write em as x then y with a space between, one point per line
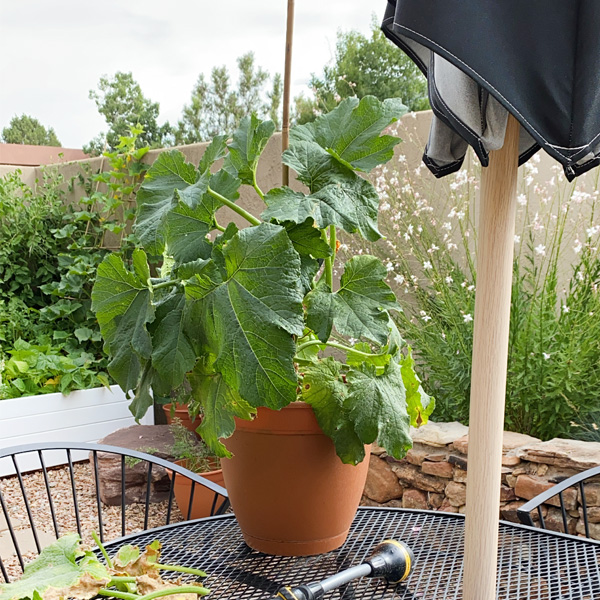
433 475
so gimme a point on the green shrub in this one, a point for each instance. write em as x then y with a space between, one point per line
554 349
48 262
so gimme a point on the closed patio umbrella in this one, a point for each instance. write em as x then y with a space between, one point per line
506 78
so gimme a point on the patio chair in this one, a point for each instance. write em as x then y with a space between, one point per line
557 496
109 490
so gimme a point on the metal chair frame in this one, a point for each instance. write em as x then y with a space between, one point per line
524 513
219 505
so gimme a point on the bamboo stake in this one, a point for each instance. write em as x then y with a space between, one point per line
285 126
490 353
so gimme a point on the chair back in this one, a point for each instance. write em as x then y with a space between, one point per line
112 491
571 506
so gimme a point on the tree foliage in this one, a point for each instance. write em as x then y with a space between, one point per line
27 130
121 102
364 66
216 107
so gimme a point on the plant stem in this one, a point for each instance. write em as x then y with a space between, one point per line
102 549
122 579
234 207
165 284
338 346
181 569
117 594
255 185
218 227
328 270
184 589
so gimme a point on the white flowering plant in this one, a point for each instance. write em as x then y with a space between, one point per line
430 254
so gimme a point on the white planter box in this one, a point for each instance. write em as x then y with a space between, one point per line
81 416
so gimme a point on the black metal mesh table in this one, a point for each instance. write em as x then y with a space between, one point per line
532 563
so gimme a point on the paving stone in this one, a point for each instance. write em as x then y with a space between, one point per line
438 434
417 454
459 476
459 461
414 499
382 483
592 494
25 541
412 477
594 529
570 454
529 487
507 493
456 493
510 442
438 469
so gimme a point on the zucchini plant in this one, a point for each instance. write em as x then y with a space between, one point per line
246 316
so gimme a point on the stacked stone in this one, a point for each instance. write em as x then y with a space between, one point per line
433 475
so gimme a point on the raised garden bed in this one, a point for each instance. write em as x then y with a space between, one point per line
81 416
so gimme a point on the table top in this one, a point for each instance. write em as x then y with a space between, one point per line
532 563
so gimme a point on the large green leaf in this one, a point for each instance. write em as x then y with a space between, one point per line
186 229
320 310
307 239
377 406
249 140
155 197
214 151
192 217
220 404
173 355
61 570
351 132
359 308
314 166
324 389
247 303
121 300
351 204
419 404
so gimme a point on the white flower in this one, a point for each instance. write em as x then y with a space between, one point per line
580 276
352 341
399 279
577 247
425 316
389 266
565 309
522 199
427 265
384 206
541 250
471 288
467 318
447 226
448 280
517 239
592 230
451 246
528 180
545 355
432 249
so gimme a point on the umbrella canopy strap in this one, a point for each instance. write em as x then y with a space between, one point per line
490 352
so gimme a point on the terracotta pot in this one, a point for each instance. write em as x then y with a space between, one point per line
290 492
203 497
181 413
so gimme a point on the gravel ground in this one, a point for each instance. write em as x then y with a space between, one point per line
63 503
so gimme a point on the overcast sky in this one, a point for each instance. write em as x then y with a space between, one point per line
54 52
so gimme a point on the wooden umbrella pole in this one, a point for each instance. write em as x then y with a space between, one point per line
490 352
285 127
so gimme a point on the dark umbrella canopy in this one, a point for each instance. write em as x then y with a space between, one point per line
538 59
